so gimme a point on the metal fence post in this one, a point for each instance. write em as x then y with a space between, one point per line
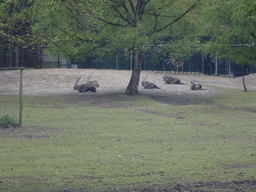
21 104
116 61
229 67
131 61
216 66
202 64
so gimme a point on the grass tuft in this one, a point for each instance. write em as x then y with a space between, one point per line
6 121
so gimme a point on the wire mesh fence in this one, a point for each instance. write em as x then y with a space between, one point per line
11 96
151 62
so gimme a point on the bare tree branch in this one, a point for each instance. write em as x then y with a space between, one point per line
120 14
253 35
172 22
110 23
129 16
132 7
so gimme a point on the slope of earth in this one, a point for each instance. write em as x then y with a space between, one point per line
61 81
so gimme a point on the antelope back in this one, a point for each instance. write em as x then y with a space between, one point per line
171 80
94 83
84 87
148 85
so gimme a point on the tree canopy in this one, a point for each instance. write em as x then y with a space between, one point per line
101 28
16 32
107 27
231 26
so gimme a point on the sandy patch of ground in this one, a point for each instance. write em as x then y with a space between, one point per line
61 81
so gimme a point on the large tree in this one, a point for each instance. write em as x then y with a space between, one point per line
231 27
108 27
16 33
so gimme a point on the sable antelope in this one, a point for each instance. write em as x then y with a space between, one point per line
195 85
148 85
171 80
89 86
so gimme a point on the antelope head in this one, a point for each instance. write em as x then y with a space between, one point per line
144 80
76 86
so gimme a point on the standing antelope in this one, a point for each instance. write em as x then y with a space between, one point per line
178 63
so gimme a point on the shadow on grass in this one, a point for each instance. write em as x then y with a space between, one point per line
116 99
245 185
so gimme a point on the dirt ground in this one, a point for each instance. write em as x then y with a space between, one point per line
61 81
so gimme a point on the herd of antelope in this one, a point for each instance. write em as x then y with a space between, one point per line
170 80
91 85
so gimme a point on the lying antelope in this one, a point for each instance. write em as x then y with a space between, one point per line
148 85
195 85
171 80
89 86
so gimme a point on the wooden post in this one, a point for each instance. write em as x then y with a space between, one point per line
245 89
21 104
21 86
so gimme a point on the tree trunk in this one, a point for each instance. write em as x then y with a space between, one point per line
132 88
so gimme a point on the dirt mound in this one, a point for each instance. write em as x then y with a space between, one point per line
61 81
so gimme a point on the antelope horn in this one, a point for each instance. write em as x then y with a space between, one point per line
89 77
145 78
77 80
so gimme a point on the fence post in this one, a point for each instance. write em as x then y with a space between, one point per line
229 67
144 61
202 64
216 66
189 64
21 104
131 61
16 56
163 65
116 61
10 59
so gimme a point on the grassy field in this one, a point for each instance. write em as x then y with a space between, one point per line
114 142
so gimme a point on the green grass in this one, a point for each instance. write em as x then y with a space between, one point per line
68 143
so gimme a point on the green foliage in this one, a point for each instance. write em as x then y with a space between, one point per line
231 26
105 28
7 121
16 22
109 27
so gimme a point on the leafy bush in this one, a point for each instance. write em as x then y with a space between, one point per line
7 121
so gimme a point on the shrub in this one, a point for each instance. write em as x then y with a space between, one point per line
7 121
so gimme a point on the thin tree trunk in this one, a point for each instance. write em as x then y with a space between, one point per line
132 88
